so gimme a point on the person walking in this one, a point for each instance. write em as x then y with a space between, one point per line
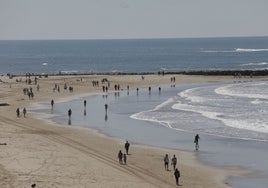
120 156
196 138
127 146
177 175
24 112
69 113
174 162
106 108
18 112
125 158
52 103
166 161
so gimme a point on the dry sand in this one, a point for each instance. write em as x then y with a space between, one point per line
51 155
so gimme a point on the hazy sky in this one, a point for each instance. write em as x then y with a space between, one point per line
91 19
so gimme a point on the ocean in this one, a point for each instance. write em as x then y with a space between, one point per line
133 56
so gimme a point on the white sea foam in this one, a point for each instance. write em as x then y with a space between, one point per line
255 64
233 110
250 50
187 94
243 124
256 90
258 101
141 116
44 64
236 50
69 71
231 104
227 119
218 51
201 110
170 100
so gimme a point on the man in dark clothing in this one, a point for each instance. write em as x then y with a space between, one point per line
18 112
174 162
196 138
69 113
24 112
127 146
177 176
120 157
52 103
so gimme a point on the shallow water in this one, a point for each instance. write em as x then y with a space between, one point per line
172 117
237 110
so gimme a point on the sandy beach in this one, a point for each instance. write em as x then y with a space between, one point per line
34 151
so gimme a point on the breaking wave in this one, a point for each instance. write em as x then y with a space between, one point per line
250 50
255 64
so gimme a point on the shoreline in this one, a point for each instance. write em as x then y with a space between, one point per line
31 124
229 171
223 173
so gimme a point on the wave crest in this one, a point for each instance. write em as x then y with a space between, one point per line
250 50
255 64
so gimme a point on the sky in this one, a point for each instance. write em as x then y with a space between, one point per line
119 19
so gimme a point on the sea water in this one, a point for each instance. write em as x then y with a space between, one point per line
135 56
238 109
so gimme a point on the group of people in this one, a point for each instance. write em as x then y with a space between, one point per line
177 173
173 163
29 92
23 111
172 79
122 157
